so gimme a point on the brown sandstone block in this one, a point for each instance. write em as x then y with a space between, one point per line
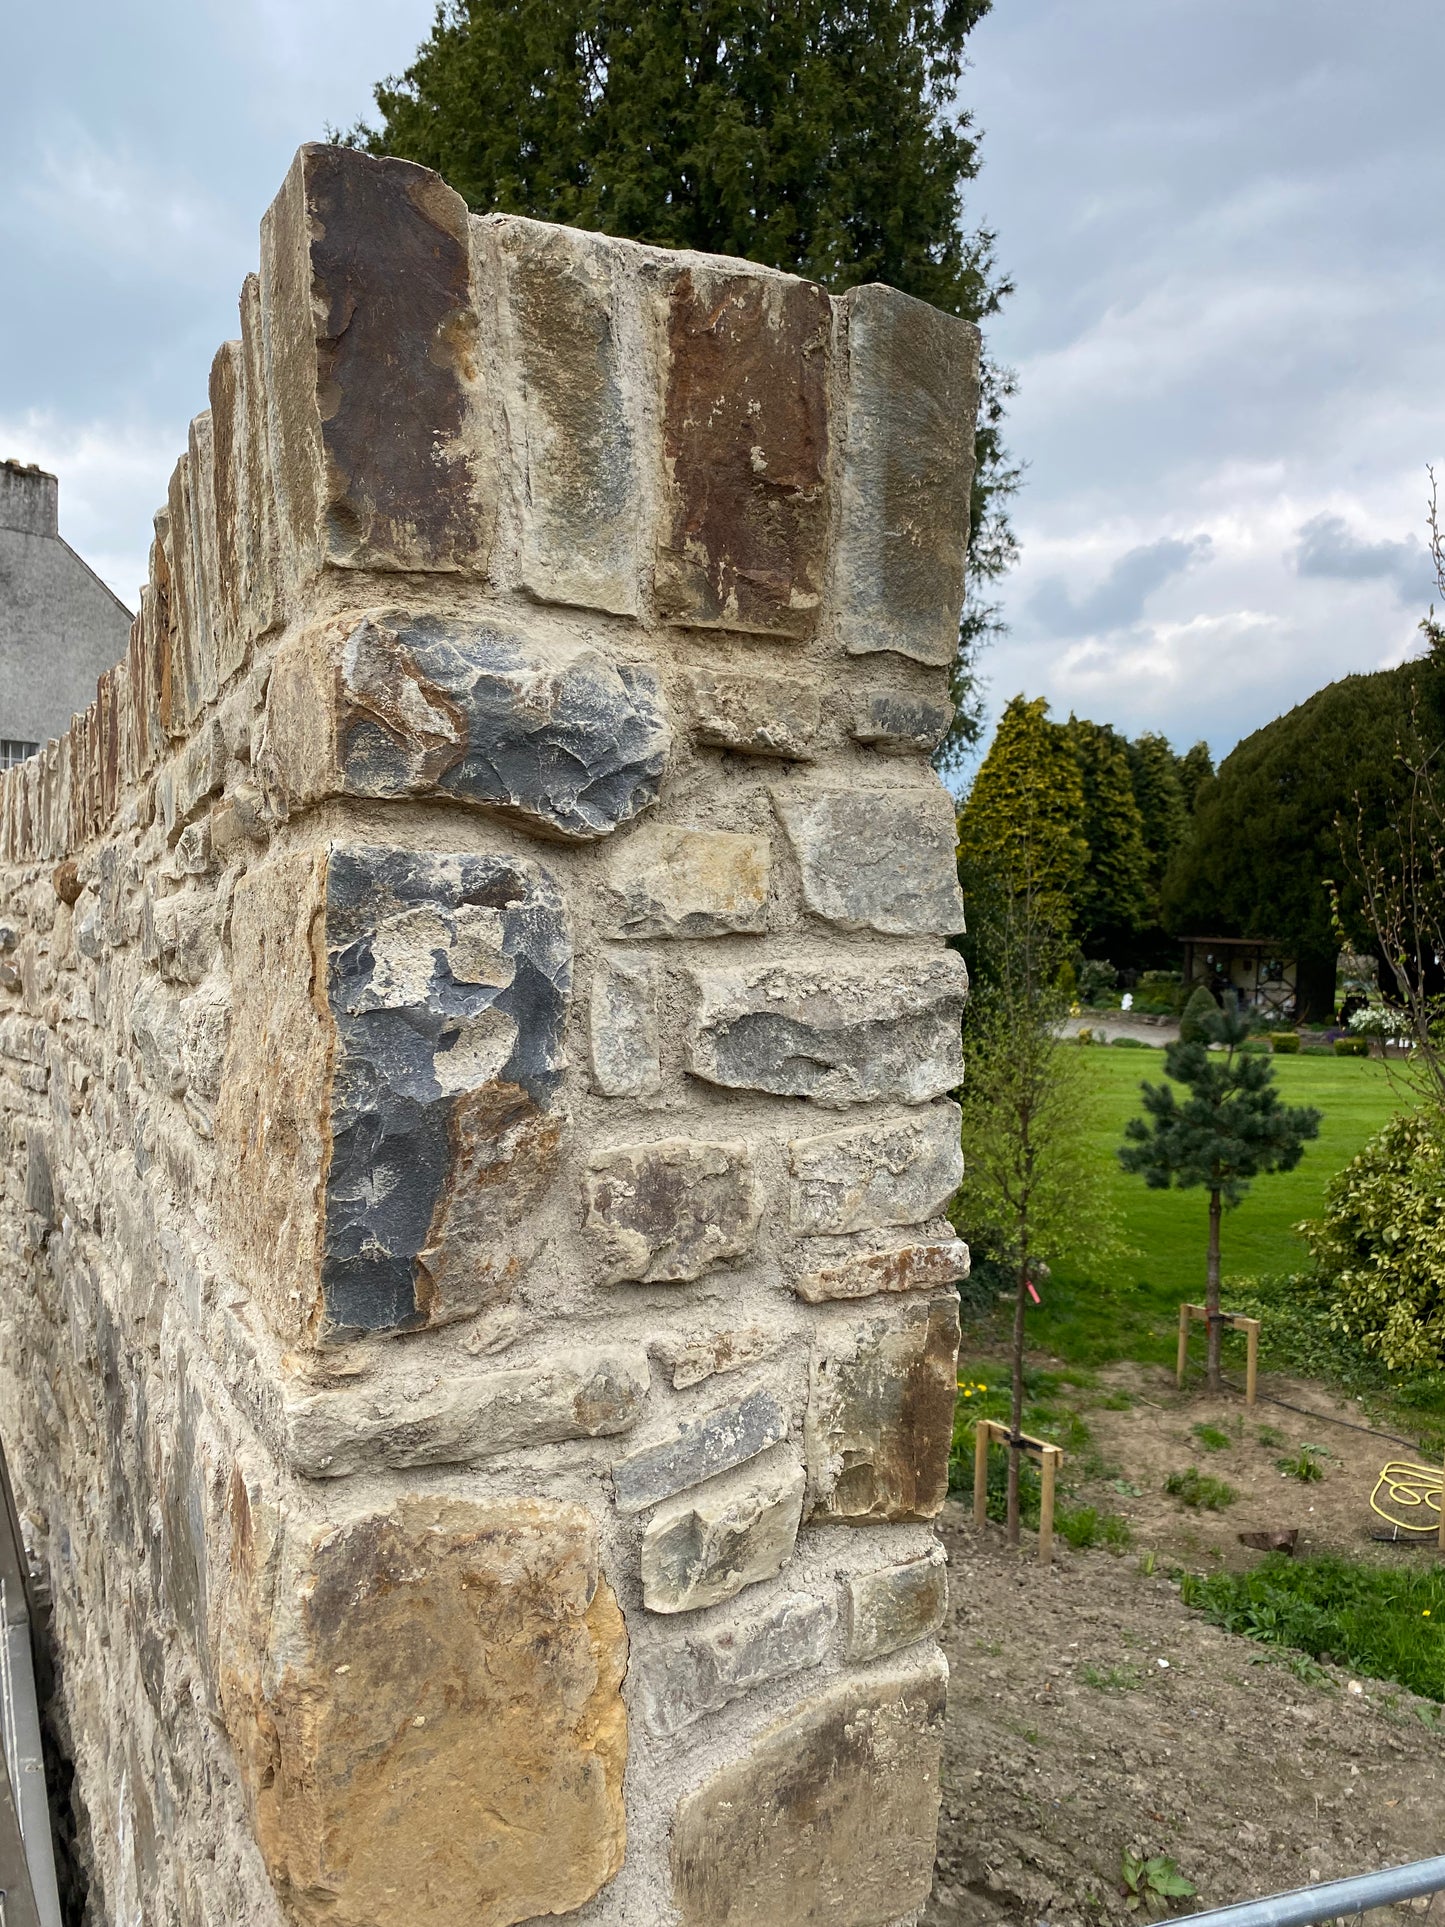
381 454
426 1706
829 1819
867 1274
745 444
673 1209
880 1414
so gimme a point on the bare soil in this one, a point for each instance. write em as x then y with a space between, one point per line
1092 1712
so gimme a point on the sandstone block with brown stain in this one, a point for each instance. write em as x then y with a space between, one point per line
693 1357
755 715
565 293
900 1170
544 729
371 337
829 1818
622 1027
426 1706
896 1606
908 467
868 1273
880 1414
670 881
388 1106
706 1546
838 1032
745 449
877 859
673 1209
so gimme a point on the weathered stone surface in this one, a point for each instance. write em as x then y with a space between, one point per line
418 1112
721 1439
877 860
679 1684
370 336
899 1171
708 1545
908 467
622 1027
896 1606
899 723
866 1274
880 1414
745 446
570 421
692 1359
755 715
670 881
467 1417
425 1702
829 1820
673 1209
549 731
840 1033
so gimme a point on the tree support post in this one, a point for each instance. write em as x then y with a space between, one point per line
1250 1328
988 1431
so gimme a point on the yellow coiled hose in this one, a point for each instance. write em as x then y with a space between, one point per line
1412 1490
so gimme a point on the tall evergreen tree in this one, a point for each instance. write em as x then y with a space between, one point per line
1112 901
1196 769
1023 817
819 136
1164 816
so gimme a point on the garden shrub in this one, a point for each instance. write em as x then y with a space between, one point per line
1284 1043
1201 1005
1381 1245
1097 978
1352 1047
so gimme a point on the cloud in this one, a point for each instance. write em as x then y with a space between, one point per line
1327 546
1118 601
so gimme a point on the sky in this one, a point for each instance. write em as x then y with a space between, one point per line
1217 215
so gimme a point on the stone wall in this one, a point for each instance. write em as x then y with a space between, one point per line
477 1326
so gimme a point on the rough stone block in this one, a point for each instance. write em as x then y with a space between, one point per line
880 1414
382 455
571 426
866 1273
755 715
877 860
669 881
426 1706
899 1171
828 1821
898 724
466 1417
745 448
707 1546
390 1147
622 1027
547 730
908 467
840 1033
673 1209
692 1359
896 1606
717 1442
679 1684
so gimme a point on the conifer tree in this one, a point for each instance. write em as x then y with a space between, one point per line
1022 818
1196 768
1164 817
1228 1130
1112 901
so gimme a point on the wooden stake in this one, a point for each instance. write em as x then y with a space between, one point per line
982 1435
1048 1467
1251 1367
1183 1346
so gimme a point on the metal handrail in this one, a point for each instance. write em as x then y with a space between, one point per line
28 1892
1305 1906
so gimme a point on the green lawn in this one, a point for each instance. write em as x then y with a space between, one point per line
1129 1308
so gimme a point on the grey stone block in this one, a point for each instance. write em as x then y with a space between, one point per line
898 724
704 1548
622 1027
902 1171
669 881
678 1685
840 1033
925 1266
896 1606
691 1359
671 1210
755 715
714 1443
877 860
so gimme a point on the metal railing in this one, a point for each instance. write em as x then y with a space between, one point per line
1334 1899
28 1895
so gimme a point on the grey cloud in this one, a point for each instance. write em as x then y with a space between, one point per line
1328 547
1119 599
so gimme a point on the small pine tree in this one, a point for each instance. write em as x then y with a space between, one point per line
1191 1022
1230 1129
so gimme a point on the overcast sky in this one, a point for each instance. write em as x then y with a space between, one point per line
1220 216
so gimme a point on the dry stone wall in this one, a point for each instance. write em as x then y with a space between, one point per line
477 1326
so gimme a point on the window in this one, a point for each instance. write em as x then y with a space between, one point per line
13 751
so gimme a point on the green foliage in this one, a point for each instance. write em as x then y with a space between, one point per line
1352 1047
1152 1883
1097 977
1191 1023
1163 812
823 137
1019 829
1212 1438
1161 991
1384 1622
1112 898
1284 1043
1381 1245
1110 1679
1201 1490
1196 770
1304 1464
1084 1526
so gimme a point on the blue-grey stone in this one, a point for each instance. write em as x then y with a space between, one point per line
728 1436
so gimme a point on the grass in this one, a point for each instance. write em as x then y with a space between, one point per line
1381 1622
1304 1464
1213 1438
1200 1490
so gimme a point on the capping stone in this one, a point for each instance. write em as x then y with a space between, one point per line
838 1033
680 1684
896 1606
671 881
828 1820
720 1440
671 1210
707 1546
901 1171
877 860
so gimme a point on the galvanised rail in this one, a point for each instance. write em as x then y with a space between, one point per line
1303 1906
28 1896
